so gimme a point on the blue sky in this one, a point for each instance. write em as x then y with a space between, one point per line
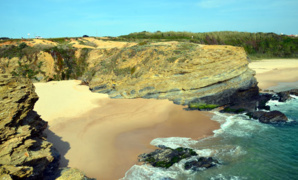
71 18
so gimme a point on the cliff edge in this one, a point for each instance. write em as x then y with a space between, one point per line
181 72
24 151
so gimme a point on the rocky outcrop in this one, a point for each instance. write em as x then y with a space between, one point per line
201 163
181 72
24 151
269 117
165 157
286 95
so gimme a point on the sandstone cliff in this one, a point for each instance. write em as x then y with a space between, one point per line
24 151
181 72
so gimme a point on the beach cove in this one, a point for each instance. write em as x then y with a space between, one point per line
104 136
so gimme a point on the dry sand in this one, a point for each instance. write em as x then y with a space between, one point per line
104 136
271 74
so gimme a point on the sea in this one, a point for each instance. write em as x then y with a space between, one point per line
245 148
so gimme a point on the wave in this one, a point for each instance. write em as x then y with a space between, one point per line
239 140
238 125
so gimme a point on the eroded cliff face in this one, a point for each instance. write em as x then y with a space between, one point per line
181 72
24 151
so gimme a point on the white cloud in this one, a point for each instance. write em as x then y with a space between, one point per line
214 3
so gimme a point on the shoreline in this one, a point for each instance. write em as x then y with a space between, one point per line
105 139
103 136
273 73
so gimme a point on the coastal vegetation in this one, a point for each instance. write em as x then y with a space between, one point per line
256 45
202 106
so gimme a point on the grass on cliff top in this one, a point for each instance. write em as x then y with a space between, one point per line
256 45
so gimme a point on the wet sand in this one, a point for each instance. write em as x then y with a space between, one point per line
103 136
272 73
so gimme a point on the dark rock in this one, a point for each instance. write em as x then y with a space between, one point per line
146 89
262 100
166 157
285 95
96 88
202 162
244 99
269 117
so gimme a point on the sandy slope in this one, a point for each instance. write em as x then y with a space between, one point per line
103 136
271 72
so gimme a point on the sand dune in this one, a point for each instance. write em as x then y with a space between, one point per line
270 73
103 136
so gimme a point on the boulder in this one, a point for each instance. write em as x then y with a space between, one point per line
285 95
68 174
269 117
166 157
202 162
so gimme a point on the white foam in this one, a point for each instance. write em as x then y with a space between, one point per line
236 125
148 172
222 177
293 96
221 151
174 142
274 103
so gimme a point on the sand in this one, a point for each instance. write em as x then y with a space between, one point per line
276 74
104 136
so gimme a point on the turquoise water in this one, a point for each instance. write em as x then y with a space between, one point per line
246 149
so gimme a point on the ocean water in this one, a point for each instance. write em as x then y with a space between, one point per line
245 148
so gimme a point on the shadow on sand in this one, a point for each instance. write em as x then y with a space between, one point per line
59 144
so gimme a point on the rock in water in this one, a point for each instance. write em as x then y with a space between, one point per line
166 157
200 163
285 95
269 117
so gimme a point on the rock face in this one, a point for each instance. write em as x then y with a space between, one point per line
24 151
181 72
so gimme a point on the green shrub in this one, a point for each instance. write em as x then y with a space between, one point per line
233 110
202 106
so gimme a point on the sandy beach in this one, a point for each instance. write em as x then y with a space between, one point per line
103 136
276 74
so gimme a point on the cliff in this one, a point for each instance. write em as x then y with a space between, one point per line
24 151
181 72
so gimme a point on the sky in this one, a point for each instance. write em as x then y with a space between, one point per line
75 18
